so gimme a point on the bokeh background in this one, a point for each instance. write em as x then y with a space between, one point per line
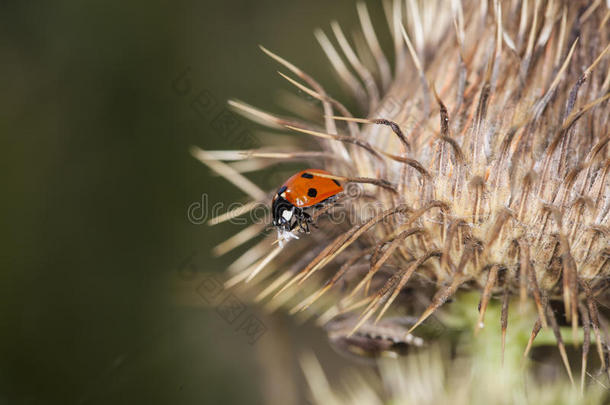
96 183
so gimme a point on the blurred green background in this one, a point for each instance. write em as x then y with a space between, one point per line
97 180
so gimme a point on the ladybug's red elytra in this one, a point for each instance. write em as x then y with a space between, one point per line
303 190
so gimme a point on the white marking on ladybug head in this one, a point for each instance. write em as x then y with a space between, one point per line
287 215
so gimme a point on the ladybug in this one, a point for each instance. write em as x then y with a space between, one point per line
298 193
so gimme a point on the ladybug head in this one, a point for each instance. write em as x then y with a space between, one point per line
283 213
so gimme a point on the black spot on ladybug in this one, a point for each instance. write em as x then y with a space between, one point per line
337 183
281 190
312 192
307 175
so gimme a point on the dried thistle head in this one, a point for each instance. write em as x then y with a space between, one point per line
481 160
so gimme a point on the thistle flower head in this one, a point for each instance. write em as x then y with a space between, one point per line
481 162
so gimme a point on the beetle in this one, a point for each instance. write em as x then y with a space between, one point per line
300 192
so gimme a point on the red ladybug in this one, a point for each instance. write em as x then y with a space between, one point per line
299 192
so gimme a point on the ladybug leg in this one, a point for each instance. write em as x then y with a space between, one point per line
303 222
311 222
307 220
298 220
295 217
